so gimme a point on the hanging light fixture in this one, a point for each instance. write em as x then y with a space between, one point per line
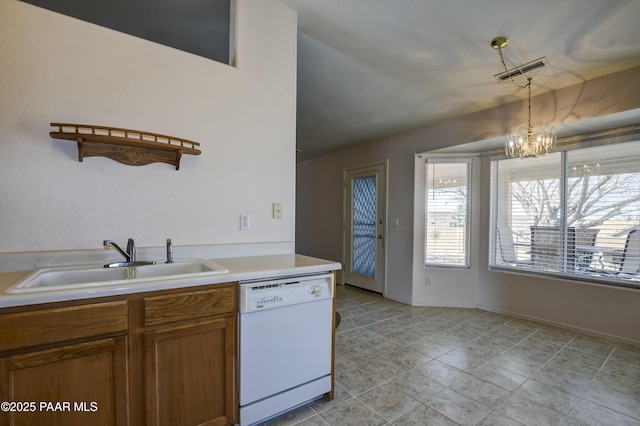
526 141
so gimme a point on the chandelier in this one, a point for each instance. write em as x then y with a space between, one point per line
525 141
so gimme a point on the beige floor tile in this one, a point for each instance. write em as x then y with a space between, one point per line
352 413
457 407
466 358
342 363
360 353
499 376
405 337
429 348
402 365
385 344
589 358
422 330
627 354
596 345
348 324
498 419
388 402
511 332
354 310
490 344
417 385
384 367
531 413
423 416
597 415
316 420
385 327
522 361
469 385
358 335
620 365
340 395
559 336
357 380
570 376
449 340
616 393
408 357
362 320
548 396
540 345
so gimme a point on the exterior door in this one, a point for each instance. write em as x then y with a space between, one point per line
364 260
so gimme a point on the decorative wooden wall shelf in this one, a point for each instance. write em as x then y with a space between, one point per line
130 147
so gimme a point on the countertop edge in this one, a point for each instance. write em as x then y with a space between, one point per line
240 269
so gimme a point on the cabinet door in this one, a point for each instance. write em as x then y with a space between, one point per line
189 373
81 384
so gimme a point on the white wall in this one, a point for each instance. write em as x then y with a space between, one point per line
319 209
604 310
60 69
447 286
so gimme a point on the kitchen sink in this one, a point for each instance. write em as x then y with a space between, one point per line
178 268
67 278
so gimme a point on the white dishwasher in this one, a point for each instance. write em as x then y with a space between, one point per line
285 329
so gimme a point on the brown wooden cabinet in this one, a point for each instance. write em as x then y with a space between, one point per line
79 384
190 358
162 358
65 365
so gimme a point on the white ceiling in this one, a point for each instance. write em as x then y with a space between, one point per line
368 69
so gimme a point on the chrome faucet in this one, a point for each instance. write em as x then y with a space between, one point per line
169 251
129 254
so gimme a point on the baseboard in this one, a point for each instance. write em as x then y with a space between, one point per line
397 299
561 325
444 305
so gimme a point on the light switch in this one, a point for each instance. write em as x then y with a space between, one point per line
277 210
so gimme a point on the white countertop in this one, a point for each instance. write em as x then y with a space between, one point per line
240 269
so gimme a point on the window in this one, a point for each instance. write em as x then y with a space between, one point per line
573 213
447 213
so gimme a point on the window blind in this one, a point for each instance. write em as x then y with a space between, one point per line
569 213
447 212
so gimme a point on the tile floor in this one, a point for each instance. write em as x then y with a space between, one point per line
401 365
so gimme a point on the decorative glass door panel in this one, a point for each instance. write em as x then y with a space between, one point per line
363 256
365 227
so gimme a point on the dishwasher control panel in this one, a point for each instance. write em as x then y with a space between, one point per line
260 295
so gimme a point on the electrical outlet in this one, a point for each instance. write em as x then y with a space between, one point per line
277 210
245 222
427 281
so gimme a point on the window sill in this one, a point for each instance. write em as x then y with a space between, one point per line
445 266
580 278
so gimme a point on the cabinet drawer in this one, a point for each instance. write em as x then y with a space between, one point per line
45 326
189 305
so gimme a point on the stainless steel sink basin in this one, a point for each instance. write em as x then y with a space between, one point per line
75 277
177 268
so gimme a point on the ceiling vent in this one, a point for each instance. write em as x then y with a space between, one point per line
522 69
